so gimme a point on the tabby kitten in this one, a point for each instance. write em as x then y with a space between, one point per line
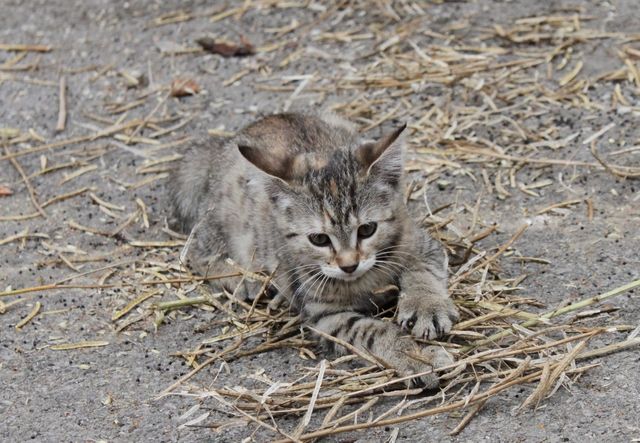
305 196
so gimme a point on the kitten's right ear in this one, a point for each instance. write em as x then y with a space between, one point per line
278 163
276 166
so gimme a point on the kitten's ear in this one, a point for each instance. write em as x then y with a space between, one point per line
278 166
384 157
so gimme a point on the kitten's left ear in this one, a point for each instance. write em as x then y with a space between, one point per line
384 157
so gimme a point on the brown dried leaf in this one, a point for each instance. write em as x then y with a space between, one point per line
226 49
5 191
181 87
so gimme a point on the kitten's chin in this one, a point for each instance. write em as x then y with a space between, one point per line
348 277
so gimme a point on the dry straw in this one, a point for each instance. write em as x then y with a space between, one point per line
467 94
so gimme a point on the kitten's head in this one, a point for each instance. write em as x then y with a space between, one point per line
341 210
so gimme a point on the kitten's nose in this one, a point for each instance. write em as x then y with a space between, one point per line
349 269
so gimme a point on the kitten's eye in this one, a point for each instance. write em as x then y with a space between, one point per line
321 240
367 230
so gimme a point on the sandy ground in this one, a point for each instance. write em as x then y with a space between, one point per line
107 393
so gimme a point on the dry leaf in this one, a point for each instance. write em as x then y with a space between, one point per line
226 49
4 191
182 87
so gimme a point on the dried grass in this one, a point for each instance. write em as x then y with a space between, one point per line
502 341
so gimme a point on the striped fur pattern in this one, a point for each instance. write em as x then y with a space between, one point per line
305 196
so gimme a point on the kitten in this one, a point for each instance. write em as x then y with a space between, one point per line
304 195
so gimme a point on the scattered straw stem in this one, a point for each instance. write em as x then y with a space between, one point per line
30 316
559 205
541 161
333 411
491 259
22 235
514 350
201 366
25 48
72 141
358 412
146 120
248 274
65 196
79 345
500 310
60 286
177 304
615 170
314 397
93 271
548 379
593 137
62 105
25 179
592 300
51 287
260 293
133 303
557 312
5 306
467 418
257 421
609 349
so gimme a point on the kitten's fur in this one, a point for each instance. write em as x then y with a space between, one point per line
257 198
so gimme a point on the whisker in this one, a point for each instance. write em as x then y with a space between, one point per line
310 279
393 262
320 286
317 281
324 284
314 279
386 272
294 269
398 253
399 245
296 280
390 272
395 267
398 267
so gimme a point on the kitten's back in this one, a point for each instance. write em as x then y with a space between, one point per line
190 181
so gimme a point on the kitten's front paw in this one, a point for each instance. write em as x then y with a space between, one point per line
417 361
426 317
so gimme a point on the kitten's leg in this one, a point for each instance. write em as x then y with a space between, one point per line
207 255
424 307
381 338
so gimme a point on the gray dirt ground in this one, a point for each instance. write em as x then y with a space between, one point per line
107 393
